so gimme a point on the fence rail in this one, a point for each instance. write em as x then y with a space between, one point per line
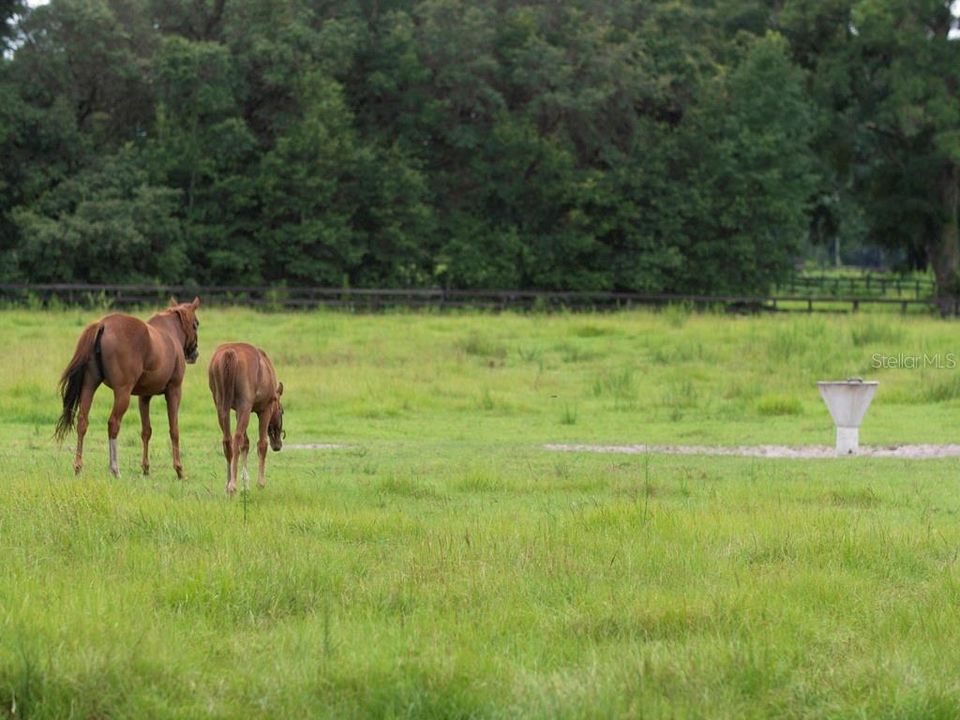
866 285
125 296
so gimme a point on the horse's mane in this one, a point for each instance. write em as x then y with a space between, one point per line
172 310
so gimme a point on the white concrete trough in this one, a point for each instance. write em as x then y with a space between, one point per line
847 401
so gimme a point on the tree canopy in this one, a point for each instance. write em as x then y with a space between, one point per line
626 145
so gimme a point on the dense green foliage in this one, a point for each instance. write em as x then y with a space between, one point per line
446 565
579 145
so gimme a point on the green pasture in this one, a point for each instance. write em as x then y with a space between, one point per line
443 564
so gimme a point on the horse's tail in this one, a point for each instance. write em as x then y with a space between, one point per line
229 365
71 382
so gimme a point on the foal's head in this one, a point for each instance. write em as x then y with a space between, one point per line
187 312
275 426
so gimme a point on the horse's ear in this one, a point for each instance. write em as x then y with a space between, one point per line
173 301
279 389
196 302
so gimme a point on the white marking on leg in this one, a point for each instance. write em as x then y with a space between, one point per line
114 460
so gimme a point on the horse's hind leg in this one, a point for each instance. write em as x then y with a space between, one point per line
241 444
87 390
145 432
223 417
121 401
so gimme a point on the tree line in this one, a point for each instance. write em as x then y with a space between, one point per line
636 145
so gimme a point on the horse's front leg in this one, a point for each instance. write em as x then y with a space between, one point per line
262 449
121 401
145 432
172 396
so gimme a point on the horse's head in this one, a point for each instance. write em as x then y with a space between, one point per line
187 312
275 426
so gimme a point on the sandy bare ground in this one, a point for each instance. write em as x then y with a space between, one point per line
769 451
315 446
918 452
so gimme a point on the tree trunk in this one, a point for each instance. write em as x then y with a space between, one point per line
944 252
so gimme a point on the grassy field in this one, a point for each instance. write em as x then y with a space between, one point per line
444 564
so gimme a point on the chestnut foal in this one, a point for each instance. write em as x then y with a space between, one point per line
242 378
131 357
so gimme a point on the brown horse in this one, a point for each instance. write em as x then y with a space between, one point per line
133 358
242 378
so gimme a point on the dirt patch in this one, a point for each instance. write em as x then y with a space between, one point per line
315 446
768 451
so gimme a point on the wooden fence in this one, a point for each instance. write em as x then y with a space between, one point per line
372 300
866 285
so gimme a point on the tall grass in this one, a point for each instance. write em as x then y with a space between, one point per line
443 565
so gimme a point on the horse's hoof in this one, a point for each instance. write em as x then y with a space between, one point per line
146 470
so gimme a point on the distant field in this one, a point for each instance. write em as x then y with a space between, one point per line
445 565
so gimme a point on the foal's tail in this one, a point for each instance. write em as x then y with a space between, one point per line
71 382
229 365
